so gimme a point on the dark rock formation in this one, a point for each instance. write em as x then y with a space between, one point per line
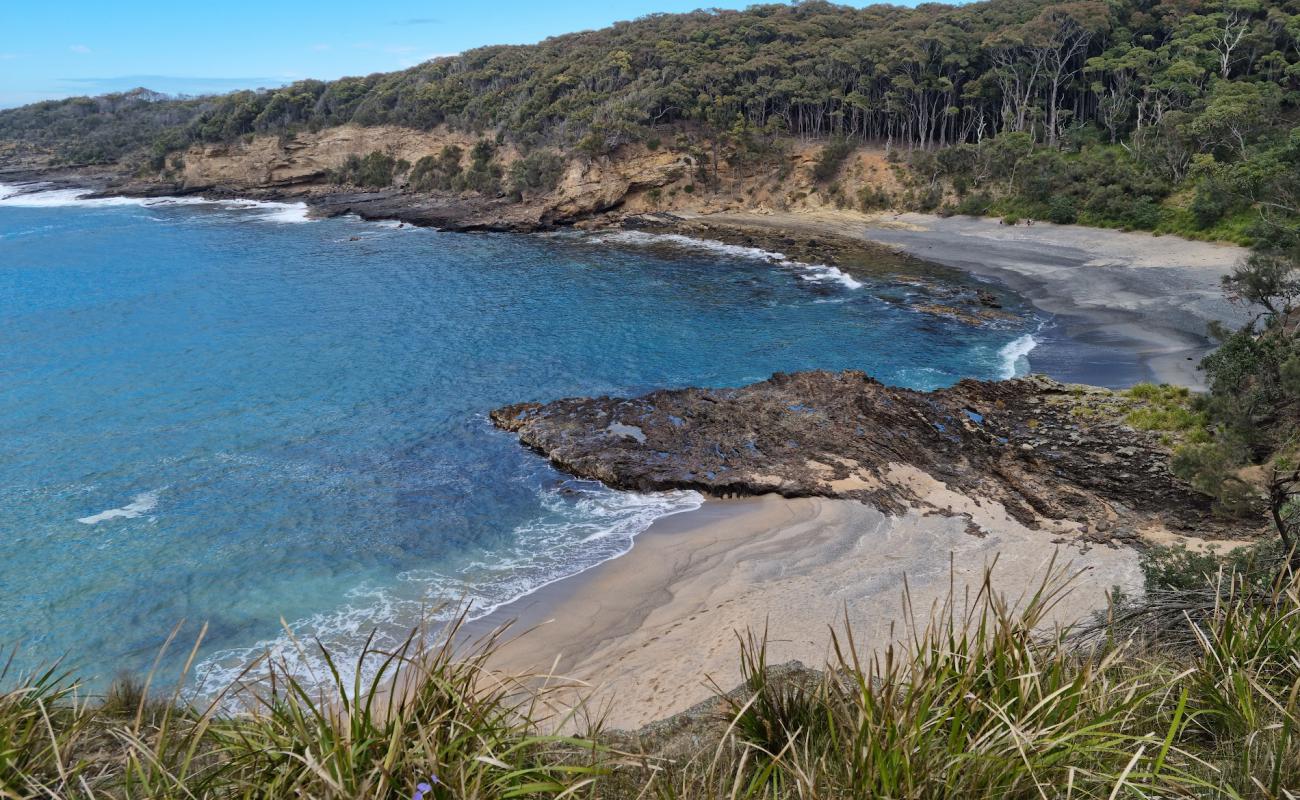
1018 444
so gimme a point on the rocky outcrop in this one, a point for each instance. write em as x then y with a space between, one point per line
636 178
987 450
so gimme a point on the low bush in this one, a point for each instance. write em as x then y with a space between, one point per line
375 170
439 172
539 172
830 159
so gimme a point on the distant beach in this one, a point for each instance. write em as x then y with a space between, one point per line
1128 291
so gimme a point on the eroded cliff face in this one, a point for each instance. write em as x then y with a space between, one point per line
303 165
988 451
305 160
635 179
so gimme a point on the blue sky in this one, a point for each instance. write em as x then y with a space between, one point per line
53 48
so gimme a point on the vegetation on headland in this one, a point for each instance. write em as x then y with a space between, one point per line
1174 116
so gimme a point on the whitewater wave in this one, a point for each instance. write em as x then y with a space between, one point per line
141 504
816 273
823 273
583 525
34 196
1015 355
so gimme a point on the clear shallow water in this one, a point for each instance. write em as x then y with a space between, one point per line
228 413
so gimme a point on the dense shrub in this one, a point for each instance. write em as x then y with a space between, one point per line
1209 204
538 172
1061 210
439 172
975 205
874 198
484 174
830 159
375 170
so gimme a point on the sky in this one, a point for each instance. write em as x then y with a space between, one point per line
62 48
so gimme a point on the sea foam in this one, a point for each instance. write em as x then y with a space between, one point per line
37 196
816 273
1015 355
581 528
141 504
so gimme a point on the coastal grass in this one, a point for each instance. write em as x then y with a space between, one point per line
1167 409
977 697
421 714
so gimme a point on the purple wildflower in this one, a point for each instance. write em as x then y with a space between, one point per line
422 788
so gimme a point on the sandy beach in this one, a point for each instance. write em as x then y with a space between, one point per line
647 632
655 631
1150 295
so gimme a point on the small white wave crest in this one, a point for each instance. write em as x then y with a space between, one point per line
141 504
581 527
37 196
1015 355
823 273
816 273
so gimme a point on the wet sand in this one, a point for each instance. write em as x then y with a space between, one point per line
1129 292
649 633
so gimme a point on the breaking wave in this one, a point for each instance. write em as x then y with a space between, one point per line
141 504
1015 355
816 273
584 524
37 196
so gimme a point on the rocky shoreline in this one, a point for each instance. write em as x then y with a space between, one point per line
1047 455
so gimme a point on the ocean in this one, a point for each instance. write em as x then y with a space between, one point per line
228 413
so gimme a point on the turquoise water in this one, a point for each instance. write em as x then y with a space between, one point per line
226 413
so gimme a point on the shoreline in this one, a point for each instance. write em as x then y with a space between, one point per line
1113 296
651 625
657 627
1113 292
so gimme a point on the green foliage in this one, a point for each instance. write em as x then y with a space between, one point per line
438 173
484 174
1061 210
1177 568
357 738
1253 406
538 172
980 703
975 205
375 170
1166 408
830 159
981 698
1142 105
1210 204
873 198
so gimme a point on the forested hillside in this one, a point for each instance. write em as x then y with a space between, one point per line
1092 110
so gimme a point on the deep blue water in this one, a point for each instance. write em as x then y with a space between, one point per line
211 412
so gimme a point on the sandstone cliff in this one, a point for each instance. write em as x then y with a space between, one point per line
688 176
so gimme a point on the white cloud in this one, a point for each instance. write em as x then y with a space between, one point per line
79 48
320 48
